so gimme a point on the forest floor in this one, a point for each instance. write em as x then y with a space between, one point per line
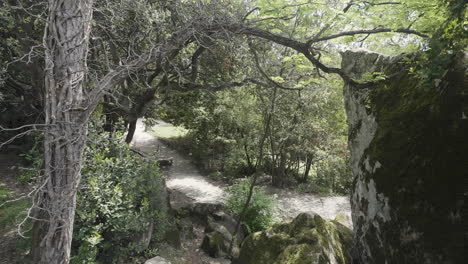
12 247
184 177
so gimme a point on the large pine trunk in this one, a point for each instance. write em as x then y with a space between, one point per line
67 112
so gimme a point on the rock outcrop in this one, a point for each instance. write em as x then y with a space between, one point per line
308 239
218 235
408 155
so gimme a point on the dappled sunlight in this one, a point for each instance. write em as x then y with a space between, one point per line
184 177
196 188
143 139
288 204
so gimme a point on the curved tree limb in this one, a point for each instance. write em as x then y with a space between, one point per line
370 31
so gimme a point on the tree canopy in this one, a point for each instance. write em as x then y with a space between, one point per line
244 75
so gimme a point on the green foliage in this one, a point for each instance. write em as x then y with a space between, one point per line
311 187
11 212
169 131
333 176
448 43
225 129
120 197
21 32
258 215
35 158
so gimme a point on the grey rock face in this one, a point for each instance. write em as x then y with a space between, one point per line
218 235
406 157
216 243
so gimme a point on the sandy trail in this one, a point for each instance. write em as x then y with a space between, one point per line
288 204
183 176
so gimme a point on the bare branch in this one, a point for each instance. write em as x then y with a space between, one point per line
371 31
19 135
250 12
21 127
257 63
330 24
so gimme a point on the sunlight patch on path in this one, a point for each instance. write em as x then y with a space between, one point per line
289 204
144 140
198 189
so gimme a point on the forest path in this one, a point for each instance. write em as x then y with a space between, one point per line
183 176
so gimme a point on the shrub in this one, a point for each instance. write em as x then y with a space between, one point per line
34 158
120 196
335 175
259 213
11 211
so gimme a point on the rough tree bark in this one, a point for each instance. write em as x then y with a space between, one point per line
66 114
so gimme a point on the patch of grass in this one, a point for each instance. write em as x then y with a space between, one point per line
169 131
11 212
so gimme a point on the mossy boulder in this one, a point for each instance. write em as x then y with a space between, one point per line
407 140
216 242
308 239
218 235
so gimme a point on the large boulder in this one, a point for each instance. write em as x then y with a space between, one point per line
216 243
218 235
408 155
308 239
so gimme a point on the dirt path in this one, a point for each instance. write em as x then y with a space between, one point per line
185 177
289 204
182 176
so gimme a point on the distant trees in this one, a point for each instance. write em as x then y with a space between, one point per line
306 127
21 66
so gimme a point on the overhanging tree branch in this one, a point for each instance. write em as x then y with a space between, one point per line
370 31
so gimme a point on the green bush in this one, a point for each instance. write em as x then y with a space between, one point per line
258 216
11 211
334 174
120 196
310 187
35 158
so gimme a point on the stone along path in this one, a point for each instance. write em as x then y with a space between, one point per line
184 177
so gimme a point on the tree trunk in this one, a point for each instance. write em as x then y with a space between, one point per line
66 116
111 117
278 178
131 130
308 165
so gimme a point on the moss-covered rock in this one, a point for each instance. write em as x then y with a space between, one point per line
308 239
408 155
218 235
216 243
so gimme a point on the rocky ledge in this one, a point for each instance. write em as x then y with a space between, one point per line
308 239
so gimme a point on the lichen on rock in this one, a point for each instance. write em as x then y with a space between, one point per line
407 143
308 239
